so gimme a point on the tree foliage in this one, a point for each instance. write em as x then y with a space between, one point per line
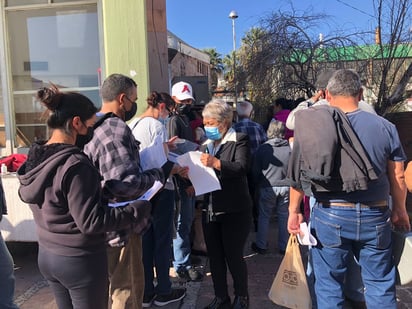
283 55
282 58
393 72
216 66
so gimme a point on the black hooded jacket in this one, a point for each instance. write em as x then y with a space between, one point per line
63 190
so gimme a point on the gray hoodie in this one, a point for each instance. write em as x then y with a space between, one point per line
270 164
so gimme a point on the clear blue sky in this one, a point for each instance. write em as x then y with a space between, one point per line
205 23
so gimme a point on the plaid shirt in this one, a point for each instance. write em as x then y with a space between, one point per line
255 131
115 153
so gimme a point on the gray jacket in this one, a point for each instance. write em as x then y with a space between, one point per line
270 164
327 152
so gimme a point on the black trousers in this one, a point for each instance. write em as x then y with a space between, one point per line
77 282
225 240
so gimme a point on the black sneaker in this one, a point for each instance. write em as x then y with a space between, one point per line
190 274
258 250
174 296
148 300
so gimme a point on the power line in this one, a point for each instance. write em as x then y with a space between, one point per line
355 8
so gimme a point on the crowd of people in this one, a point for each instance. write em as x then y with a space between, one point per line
320 162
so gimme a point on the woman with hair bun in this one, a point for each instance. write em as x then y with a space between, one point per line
63 190
157 240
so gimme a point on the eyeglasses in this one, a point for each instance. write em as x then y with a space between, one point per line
130 100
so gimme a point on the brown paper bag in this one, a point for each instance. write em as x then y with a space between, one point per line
290 288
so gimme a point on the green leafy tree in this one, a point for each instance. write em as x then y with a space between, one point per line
391 65
257 66
216 66
282 57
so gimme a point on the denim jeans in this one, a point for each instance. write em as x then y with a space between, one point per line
353 286
6 277
367 233
181 244
157 242
270 198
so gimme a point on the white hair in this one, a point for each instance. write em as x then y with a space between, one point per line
244 108
219 110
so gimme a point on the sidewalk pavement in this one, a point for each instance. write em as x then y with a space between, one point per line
32 291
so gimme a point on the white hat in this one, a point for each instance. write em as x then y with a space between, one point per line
182 91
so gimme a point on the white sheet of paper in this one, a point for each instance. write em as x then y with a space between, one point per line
179 147
153 156
146 196
203 178
152 191
306 238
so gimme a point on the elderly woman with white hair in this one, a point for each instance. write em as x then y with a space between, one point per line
228 216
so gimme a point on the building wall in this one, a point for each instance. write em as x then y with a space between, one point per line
76 45
184 65
157 45
125 43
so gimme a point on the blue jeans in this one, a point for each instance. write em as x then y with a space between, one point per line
353 287
269 198
6 277
367 233
156 245
181 244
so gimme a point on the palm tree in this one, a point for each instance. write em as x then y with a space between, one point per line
216 66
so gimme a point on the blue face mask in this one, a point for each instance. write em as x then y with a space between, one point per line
213 133
164 121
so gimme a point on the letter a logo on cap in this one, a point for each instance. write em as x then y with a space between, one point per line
185 88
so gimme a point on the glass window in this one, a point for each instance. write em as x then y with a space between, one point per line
58 45
10 3
60 1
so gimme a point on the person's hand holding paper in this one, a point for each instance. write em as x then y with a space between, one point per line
210 161
179 146
203 178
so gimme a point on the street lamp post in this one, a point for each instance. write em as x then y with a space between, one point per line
233 15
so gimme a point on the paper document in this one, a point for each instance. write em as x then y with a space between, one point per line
153 156
145 197
305 237
203 178
180 146
152 191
